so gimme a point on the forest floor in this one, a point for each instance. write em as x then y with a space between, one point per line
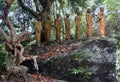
44 50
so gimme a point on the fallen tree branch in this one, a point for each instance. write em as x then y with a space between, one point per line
5 37
21 36
11 27
28 9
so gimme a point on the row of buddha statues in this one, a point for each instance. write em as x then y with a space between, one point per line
57 23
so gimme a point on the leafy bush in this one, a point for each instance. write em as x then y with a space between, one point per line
2 3
83 71
118 65
117 36
2 54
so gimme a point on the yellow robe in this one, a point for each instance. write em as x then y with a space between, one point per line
77 21
101 24
38 27
89 24
48 29
67 26
58 28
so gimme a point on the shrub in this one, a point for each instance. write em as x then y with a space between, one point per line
2 54
83 71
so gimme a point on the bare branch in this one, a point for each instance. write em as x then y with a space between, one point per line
23 34
6 38
7 7
1 16
21 50
27 39
11 27
27 9
37 6
20 37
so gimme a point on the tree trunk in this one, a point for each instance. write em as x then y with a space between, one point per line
13 43
44 18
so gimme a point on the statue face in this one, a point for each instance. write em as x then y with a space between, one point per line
78 12
58 15
67 15
48 17
101 9
89 10
38 19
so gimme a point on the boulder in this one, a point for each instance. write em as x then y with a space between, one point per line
98 55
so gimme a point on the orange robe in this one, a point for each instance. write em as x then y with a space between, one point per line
77 21
58 28
67 26
89 24
101 24
38 27
48 29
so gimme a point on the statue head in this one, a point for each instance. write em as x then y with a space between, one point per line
89 10
48 17
102 9
39 18
67 15
58 15
78 12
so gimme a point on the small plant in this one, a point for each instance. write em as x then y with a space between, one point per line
84 74
118 65
118 57
83 71
2 55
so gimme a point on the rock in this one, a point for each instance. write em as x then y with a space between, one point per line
101 62
30 65
59 81
103 59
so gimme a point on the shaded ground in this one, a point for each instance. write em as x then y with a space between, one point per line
53 48
31 77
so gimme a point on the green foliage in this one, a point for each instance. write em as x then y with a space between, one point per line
83 71
113 25
112 7
118 57
113 19
13 6
99 1
2 3
81 3
62 2
118 66
53 34
2 54
82 56
117 36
